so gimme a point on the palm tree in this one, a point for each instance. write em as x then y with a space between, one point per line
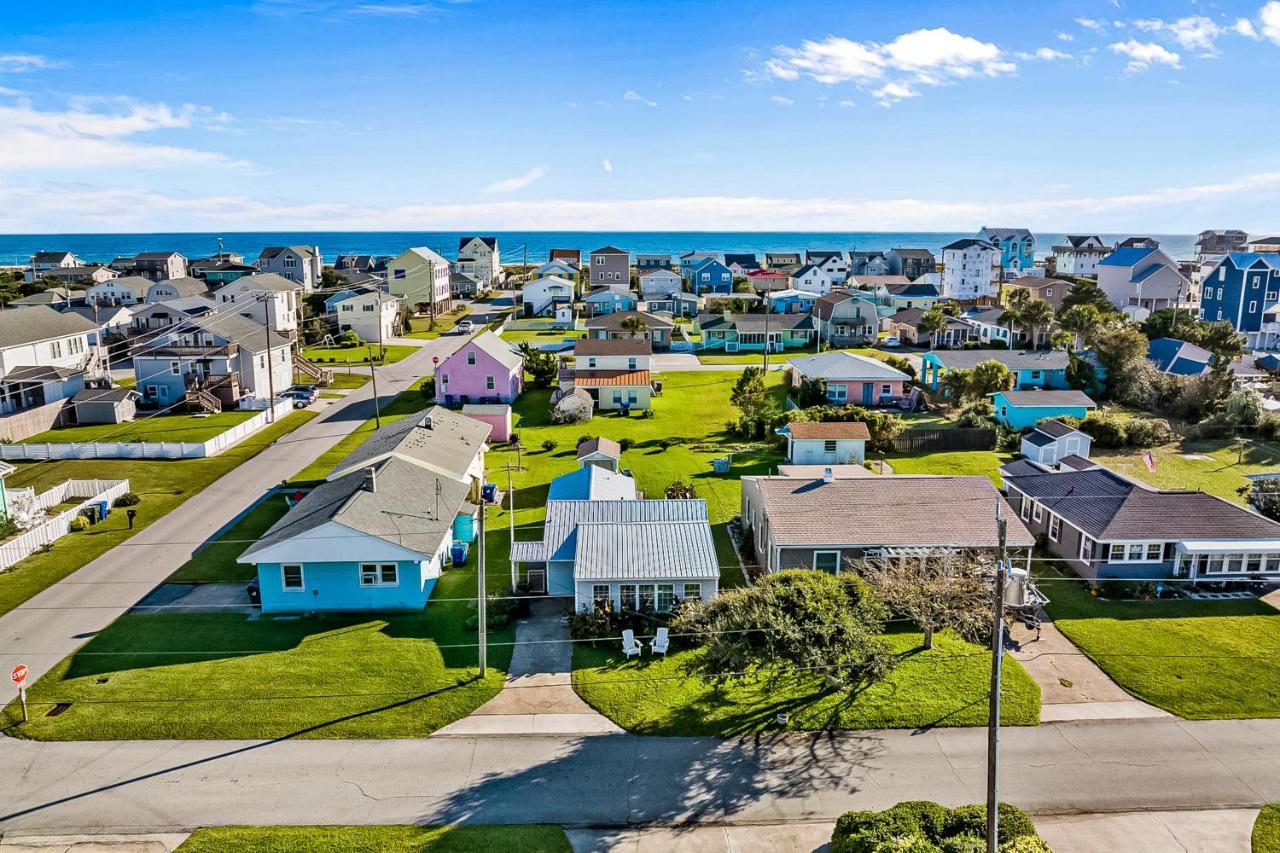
1062 339
933 322
635 324
1080 320
1018 297
1011 317
1036 315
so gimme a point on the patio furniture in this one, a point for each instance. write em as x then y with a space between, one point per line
660 643
629 645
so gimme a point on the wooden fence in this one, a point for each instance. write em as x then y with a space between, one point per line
960 438
92 491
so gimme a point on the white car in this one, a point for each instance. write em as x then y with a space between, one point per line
465 327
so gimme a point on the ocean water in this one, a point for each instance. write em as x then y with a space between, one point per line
16 249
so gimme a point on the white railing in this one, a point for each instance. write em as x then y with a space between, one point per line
93 491
148 449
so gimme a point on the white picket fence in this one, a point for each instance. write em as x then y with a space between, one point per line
148 449
92 491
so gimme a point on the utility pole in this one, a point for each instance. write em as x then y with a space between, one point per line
768 309
993 719
373 374
271 368
481 599
511 525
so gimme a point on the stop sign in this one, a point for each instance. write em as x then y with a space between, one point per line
18 674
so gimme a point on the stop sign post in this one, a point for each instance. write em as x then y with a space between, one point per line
18 675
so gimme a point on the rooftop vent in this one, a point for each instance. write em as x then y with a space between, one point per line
828 475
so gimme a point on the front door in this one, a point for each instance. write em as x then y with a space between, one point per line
868 393
537 581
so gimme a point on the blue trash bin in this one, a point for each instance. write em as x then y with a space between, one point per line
458 553
104 509
490 492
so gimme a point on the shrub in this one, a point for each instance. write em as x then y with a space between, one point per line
79 523
549 445
127 499
925 827
977 414
897 362
626 443
1149 433
972 820
1106 429
647 414
348 339
8 528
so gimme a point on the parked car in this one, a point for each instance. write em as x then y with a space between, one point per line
314 389
301 398
892 342
465 327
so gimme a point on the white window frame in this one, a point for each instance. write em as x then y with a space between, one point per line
1055 527
825 553
284 582
1037 513
378 579
697 594
1025 513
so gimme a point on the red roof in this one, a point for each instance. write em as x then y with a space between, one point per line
829 430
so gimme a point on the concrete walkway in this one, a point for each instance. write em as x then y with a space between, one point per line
1214 831
165 842
778 838
538 698
1072 687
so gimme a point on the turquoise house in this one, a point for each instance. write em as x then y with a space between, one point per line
1031 368
376 538
1019 410
607 300
756 332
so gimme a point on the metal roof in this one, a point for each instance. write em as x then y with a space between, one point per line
592 483
645 551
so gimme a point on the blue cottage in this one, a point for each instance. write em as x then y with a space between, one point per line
1244 289
1019 410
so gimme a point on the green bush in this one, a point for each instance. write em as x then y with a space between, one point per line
428 388
127 499
926 827
625 443
1106 429
79 523
1149 433
549 445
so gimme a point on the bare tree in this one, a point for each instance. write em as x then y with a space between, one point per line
935 588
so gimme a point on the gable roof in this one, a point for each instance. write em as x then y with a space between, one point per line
592 483
494 346
1127 256
610 250
886 280
39 323
967 242
136 283
845 366
396 510
612 346
967 359
1049 397
1109 507
1179 358
756 322
269 281
1002 234
912 316
434 438
609 290
51 257
923 254
238 328
491 242
601 445
828 430
892 510
663 272
924 289
741 259
1056 429
185 286
271 252
613 321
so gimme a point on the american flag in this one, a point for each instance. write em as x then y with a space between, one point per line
1150 461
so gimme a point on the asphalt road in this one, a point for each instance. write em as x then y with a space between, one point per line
618 780
54 623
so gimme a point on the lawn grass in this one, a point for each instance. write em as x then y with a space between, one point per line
1198 659
196 676
215 562
445 324
343 379
516 838
946 686
1221 474
955 463
782 357
162 485
339 357
692 411
519 336
177 427
1266 830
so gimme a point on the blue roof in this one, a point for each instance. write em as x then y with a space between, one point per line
591 483
1125 257
1248 259
1179 358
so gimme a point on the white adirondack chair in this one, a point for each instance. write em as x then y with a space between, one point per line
629 644
660 643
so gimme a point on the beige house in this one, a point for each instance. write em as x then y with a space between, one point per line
479 256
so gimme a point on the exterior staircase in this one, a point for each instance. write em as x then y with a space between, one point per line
200 399
321 376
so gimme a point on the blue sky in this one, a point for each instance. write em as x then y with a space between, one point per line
429 114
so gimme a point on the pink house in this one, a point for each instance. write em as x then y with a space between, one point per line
851 378
483 370
496 415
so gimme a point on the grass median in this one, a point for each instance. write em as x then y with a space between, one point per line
385 839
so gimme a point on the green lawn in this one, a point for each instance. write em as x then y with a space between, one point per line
341 379
162 485
180 427
1266 830
779 358
444 325
1217 467
692 410
985 462
216 561
519 336
338 357
530 838
946 686
1197 659
226 676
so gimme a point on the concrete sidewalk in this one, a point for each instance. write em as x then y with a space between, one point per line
1212 831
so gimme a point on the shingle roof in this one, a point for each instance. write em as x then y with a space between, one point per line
104 395
436 437
913 288
272 251
966 243
612 346
154 256
887 511
496 347
491 242
1049 397
136 283
613 321
913 253
599 444
185 286
1056 429
845 366
1077 462
592 483
268 281
829 430
751 323
1005 233
1109 507
236 328
1013 359
743 260
39 323
397 510
610 250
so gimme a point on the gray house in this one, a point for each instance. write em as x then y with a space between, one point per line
1104 525
912 263
610 267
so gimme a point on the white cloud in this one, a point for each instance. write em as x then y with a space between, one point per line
1143 55
85 135
403 10
925 57
1244 27
517 182
779 99
1064 36
17 62
1092 24
1194 33
299 121
1269 21
632 95
607 166
686 97
37 208
847 103
892 93
1045 54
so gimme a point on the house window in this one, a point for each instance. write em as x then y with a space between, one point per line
175 367
693 592
1037 513
488 383
376 574
291 577
1055 527
827 561
646 598
666 597
1155 552
828 447
591 362
1253 306
627 596
1087 545
600 594
631 364
471 357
